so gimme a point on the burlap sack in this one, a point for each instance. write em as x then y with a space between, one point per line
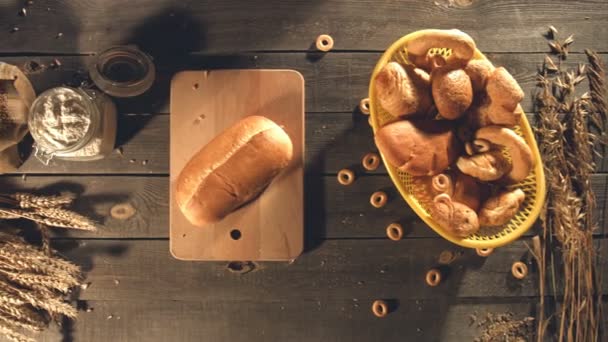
16 97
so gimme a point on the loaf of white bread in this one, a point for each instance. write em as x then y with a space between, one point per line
232 169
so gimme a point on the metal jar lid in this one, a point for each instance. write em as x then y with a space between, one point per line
123 71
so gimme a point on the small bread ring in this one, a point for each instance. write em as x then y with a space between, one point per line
433 277
519 270
325 42
346 177
378 199
364 106
484 252
446 257
371 161
394 231
380 308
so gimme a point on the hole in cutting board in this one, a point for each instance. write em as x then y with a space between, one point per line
235 234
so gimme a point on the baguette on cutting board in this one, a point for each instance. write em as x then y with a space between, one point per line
232 169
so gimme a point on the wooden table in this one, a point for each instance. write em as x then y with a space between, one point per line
139 293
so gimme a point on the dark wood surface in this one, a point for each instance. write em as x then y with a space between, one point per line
137 292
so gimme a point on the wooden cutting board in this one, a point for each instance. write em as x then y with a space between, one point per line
203 104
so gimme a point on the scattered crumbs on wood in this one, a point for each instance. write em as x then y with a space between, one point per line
183 235
89 310
472 319
587 18
109 317
132 161
360 282
56 63
144 162
24 177
117 317
29 2
59 35
14 29
324 126
116 281
23 12
195 86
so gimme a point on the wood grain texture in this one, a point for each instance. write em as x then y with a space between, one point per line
332 211
203 105
142 147
335 82
169 27
337 269
294 320
333 141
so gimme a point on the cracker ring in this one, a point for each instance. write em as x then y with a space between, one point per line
433 277
394 231
484 252
364 106
378 199
371 161
519 270
324 42
346 177
380 308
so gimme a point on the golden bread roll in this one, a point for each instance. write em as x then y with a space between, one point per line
403 92
462 46
503 89
452 92
419 147
522 160
478 71
455 217
500 208
232 169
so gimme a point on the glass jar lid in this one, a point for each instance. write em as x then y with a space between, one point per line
62 120
123 71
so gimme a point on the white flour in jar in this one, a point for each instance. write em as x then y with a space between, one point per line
63 120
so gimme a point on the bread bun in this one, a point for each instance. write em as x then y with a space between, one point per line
452 92
478 71
403 92
504 90
421 148
462 46
232 169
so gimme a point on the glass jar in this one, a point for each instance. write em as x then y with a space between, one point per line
73 124
123 71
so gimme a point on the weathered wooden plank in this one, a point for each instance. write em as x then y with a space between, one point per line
332 210
145 202
333 141
169 28
334 83
293 319
143 142
337 270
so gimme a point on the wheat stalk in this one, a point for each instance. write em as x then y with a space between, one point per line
13 335
568 147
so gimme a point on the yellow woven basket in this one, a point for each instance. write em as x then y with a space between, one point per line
533 186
